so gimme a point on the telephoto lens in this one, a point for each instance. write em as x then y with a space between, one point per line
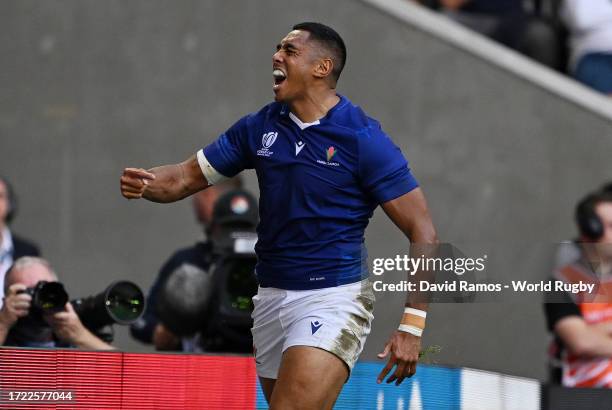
122 302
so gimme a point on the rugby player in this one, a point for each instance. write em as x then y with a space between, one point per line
323 166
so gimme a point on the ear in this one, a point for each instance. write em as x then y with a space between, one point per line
323 68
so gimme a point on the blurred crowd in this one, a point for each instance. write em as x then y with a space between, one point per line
571 36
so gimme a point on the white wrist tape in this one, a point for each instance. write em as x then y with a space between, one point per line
413 330
416 312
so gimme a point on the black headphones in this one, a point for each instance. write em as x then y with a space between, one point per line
12 200
588 221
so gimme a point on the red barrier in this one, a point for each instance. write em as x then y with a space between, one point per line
115 380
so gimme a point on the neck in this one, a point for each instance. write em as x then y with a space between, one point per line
598 259
314 106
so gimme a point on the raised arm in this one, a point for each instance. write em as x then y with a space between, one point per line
166 183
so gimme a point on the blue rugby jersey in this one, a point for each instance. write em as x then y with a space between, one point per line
319 185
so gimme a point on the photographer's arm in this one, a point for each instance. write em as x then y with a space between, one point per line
605 328
15 305
68 327
89 341
583 339
166 183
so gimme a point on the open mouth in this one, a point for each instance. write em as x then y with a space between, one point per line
279 77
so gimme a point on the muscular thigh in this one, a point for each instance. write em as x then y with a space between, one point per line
308 378
267 385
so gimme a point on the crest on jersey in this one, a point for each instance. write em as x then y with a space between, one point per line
331 151
268 139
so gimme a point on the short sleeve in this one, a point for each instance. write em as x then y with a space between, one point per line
229 154
383 170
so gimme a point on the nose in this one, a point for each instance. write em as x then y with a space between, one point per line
277 57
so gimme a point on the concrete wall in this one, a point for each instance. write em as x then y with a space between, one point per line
89 87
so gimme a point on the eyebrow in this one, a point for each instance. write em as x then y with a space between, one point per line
286 46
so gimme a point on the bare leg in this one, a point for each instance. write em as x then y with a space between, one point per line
267 385
308 379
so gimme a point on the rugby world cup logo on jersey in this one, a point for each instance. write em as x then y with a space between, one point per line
266 142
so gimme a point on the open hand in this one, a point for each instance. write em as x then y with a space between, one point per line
404 349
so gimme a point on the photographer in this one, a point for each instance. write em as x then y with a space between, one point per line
582 323
196 259
21 327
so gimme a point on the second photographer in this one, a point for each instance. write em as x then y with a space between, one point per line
201 300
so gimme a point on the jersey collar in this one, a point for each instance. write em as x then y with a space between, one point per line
303 125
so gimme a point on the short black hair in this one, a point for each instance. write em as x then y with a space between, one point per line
330 39
589 223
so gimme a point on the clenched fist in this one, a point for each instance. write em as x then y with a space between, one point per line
134 182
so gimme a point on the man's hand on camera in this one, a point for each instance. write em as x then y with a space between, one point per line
16 305
68 327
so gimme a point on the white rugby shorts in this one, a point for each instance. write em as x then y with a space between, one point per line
336 319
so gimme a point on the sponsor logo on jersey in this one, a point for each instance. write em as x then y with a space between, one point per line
298 147
314 326
329 153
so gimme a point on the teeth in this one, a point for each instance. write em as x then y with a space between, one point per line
278 74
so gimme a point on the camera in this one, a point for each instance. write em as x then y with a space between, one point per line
47 297
215 299
122 302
